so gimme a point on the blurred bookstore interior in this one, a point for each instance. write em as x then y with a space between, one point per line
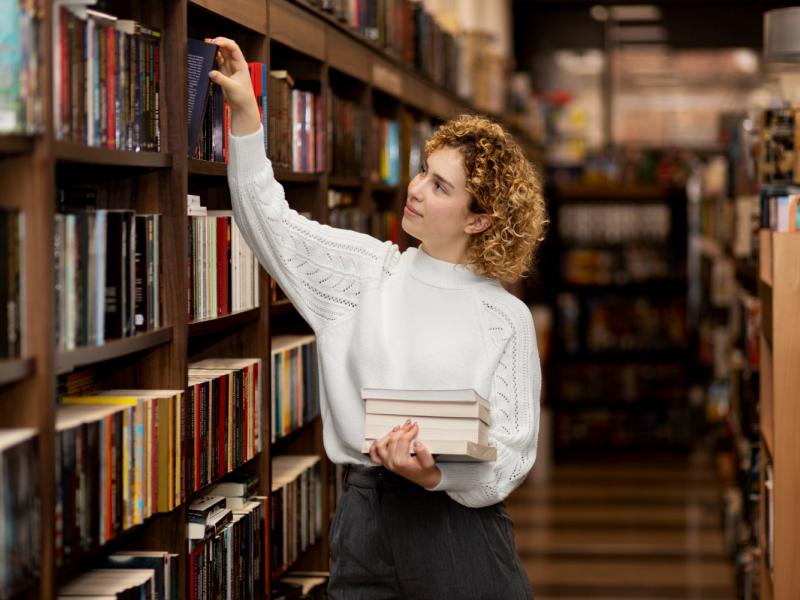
665 296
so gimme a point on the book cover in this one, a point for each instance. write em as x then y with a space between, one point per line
200 61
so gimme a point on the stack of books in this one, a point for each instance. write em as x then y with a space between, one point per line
453 424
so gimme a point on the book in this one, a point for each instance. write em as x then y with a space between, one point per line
436 428
453 451
424 395
422 408
203 507
200 62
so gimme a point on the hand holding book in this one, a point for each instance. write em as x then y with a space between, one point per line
393 451
233 76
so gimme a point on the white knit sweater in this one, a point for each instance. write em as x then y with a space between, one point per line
390 319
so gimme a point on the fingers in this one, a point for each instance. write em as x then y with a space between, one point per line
424 455
229 50
373 453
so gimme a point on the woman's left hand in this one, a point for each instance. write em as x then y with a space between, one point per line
393 451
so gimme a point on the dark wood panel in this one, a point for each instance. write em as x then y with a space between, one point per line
224 324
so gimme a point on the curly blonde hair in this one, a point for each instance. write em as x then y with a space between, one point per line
504 185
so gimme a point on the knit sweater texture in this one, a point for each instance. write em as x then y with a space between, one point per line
390 319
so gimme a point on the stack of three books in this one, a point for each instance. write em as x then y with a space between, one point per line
453 423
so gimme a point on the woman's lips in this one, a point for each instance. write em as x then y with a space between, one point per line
410 211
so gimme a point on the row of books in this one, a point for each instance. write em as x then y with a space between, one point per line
107 75
12 239
614 223
20 508
584 266
587 384
107 268
780 209
387 23
350 150
227 546
386 160
128 575
123 455
20 38
295 508
296 126
383 225
418 132
667 426
777 151
222 269
406 30
624 323
295 383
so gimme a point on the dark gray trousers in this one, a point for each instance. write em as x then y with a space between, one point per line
391 539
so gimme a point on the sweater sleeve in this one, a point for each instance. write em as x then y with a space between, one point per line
321 269
514 429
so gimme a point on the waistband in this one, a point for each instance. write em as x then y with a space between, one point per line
374 477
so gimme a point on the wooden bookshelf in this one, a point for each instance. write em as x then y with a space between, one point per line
65 152
780 411
69 360
298 37
14 370
15 144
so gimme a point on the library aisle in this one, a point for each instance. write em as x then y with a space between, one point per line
625 527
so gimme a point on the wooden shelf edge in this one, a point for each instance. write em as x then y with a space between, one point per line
288 176
281 307
241 18
284 570
207 168
223 323
67 152
16 144
336 181
13 370
766 435
69 360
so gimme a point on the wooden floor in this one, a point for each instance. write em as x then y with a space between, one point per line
623 527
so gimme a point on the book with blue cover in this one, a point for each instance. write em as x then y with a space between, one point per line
200 62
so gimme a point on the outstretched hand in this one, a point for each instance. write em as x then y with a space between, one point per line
233 76
393 451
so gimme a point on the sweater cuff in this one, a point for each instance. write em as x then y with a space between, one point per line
460 477
246 154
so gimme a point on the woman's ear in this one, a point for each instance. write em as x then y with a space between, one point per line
478 223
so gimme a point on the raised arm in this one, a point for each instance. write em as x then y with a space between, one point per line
321 269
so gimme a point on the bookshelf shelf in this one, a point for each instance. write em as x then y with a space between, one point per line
282 307
628 356
338 181
601 194
384 188
69 360
315 547
246 13
207 168
294 435
16 369
16 144
66 152
223 324
287 176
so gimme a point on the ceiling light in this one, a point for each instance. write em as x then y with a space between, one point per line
640 33
636 12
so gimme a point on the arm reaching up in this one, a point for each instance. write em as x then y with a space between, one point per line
321 269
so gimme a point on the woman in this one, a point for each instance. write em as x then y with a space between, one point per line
434 317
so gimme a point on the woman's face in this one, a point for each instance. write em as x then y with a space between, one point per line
437 204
